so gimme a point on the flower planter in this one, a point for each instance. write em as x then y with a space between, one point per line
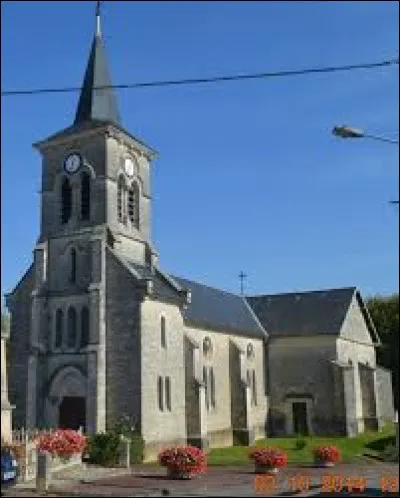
183 462
265 469
326 456
62 462
268 460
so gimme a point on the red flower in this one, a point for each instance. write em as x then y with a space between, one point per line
269 457
327 454
183 459
63 443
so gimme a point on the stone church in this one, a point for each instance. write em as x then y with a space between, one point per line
99 330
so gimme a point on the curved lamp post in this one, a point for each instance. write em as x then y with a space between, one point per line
350 132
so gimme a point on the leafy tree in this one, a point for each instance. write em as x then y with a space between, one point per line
384 311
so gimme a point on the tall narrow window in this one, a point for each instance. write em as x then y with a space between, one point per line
160 394
85 323
59 329
72 275
254 388
133 204
85 196
66 201
212 387
163 332
168 393
71 342
206 388
121 200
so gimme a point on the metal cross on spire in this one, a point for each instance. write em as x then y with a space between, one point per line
98 25
242 277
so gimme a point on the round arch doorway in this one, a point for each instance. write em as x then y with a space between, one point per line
66 403
72 413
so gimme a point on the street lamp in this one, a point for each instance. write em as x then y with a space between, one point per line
350 132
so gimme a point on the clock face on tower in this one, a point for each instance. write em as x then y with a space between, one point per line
72 162
129 166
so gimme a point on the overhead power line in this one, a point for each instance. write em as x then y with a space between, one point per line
216 79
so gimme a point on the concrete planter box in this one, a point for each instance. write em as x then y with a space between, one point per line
61 463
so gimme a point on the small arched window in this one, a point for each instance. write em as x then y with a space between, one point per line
168 393
85 324
163 332
66 201
160 394
85 196
71 341
121 200
59 329
133 205
72 275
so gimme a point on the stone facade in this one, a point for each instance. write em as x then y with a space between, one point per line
99 331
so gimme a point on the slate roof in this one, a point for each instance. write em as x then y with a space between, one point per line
219 310
303 313
97 99
162 289
209 308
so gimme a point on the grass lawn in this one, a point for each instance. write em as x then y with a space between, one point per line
369 443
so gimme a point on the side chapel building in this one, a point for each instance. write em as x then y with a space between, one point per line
99 330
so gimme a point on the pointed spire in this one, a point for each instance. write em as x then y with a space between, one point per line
97 100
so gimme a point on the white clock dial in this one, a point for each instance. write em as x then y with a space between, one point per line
129 166
72 163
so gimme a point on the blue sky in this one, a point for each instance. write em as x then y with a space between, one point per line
249 176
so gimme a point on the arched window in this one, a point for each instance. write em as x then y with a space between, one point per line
72 275
66 201
163 332
121 200
85 324
59 329
85 196
160 394
168 393
212 387
71 341
133 204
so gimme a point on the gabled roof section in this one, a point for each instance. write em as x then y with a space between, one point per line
97 100
368 319
219 310
319 312
208 308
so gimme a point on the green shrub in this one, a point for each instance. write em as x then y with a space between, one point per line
103 448
300 444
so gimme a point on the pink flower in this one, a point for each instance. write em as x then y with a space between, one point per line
63 443
183 459
327 454
269 457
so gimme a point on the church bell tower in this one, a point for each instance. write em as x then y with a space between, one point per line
95 197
